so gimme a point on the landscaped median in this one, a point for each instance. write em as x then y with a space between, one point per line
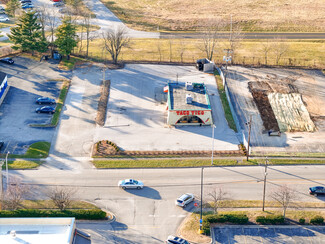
165 163
192 162
45 208
59 104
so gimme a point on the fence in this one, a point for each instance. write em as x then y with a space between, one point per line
241 132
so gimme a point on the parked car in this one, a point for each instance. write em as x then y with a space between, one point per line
176 240
317 190
25 1
27 6
45 100
184 199
4 19
45 109
130 183
58 4
7 60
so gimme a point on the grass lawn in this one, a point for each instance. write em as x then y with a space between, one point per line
82 28
59 104
48 204
165 163
224 101
36 150
199 162
22 164
178 15
300 53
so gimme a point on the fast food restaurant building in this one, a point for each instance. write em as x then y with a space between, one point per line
188 104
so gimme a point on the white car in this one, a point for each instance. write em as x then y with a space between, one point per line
4 19
130 183
176 240
184 199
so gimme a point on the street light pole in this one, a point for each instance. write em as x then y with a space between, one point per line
249 135
265 173
213 126
201 231
7 174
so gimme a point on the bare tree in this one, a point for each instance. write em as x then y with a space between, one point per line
280 47
15 194
170 50
181 50
284 195
42 17
114 41
62 196
217 195
159 50
52 22
210 38
234 42
266 49
86 22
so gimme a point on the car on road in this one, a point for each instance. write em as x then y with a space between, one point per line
317 190
176 240
45 109
45 100
7 60
130 183
27 5
184 200
4 19
25 1
58 4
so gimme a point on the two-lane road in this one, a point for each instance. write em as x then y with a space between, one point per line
150 215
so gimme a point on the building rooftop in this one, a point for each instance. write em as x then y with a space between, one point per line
36 230
177 93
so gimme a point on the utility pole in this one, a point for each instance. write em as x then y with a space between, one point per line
7 173
201 221
265 173
249 135
213 126
1 182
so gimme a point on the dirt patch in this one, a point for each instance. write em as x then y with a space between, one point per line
102 103
106 148
287 113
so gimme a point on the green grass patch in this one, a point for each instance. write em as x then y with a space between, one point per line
279 161
71 63
82 28
36 150
48 204
22 164
60 102
166 163
224 101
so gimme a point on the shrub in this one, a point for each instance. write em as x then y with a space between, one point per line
90 214
317 220
270 219
302 221
222 218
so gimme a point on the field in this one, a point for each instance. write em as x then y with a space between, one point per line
250 15
300 53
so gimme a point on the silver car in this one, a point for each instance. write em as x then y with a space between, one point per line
184 199
130 183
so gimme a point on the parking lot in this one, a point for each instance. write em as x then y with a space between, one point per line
268 234
28 80
136 114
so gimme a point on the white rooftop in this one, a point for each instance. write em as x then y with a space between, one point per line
36 230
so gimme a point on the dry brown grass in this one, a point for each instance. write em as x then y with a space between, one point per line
252 15
102 103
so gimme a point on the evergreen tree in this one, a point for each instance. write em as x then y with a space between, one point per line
27 36
66 37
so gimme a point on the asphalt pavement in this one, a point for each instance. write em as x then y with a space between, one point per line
150 215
